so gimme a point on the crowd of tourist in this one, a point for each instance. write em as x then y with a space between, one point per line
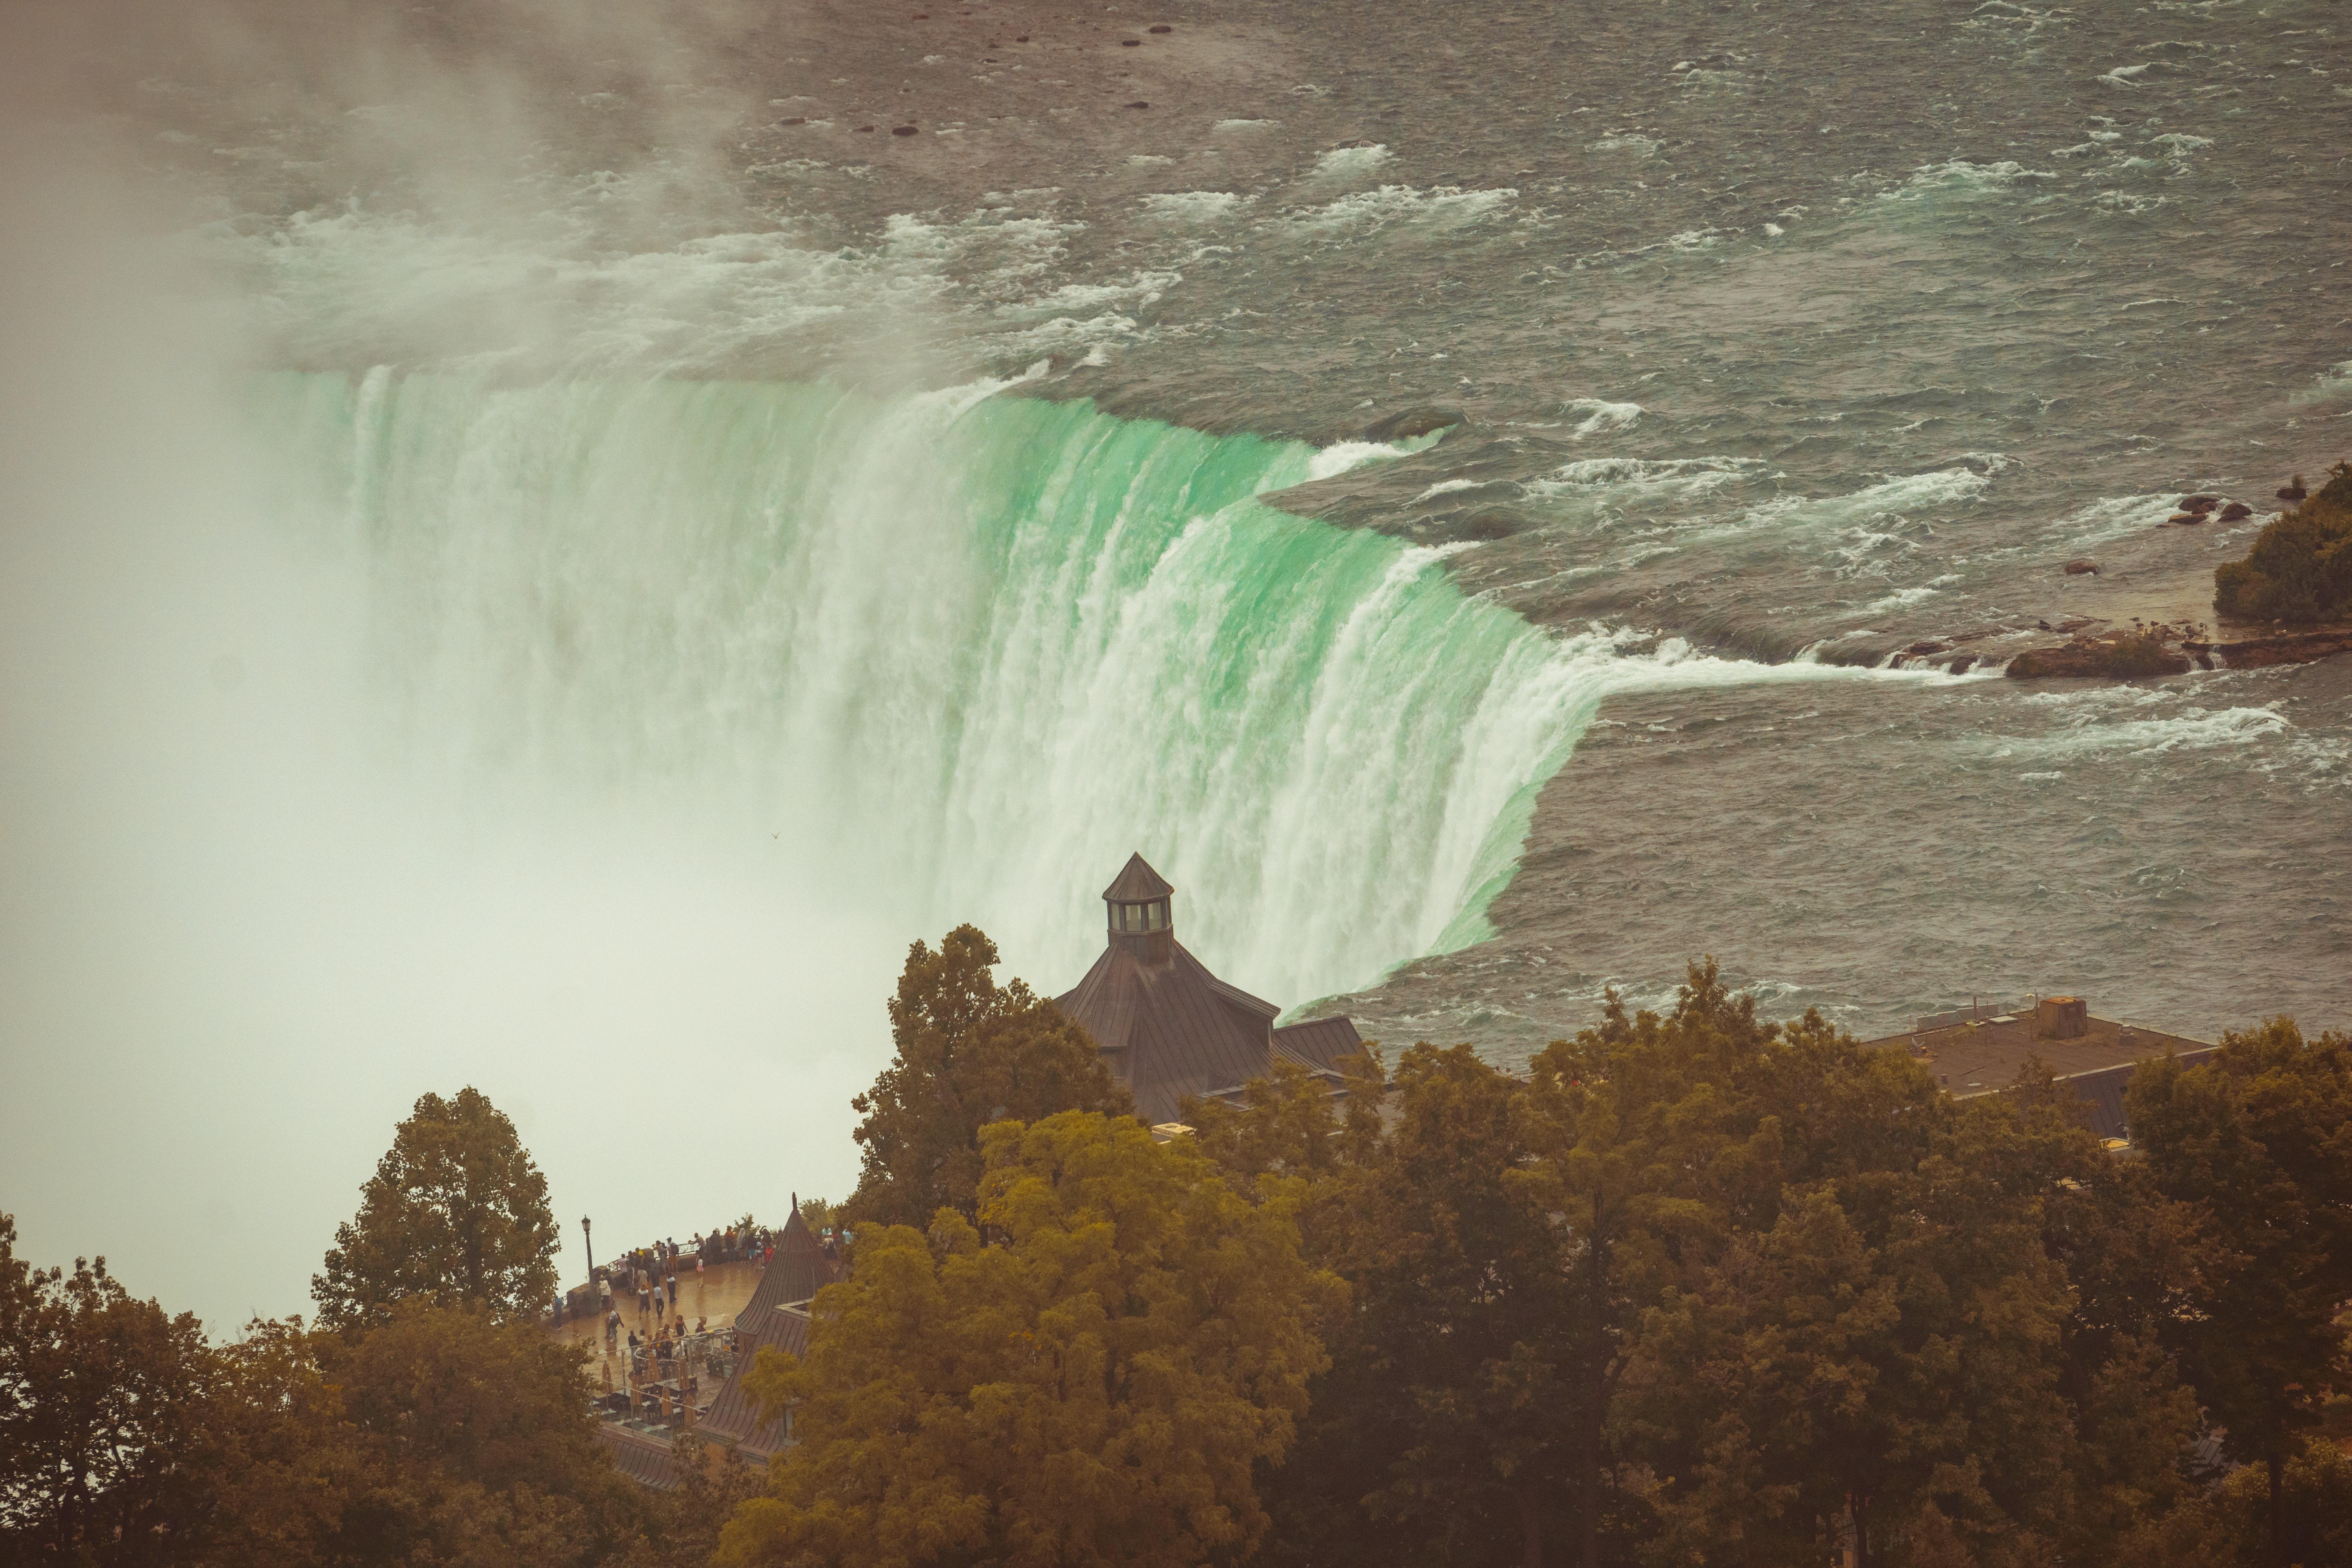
651 1272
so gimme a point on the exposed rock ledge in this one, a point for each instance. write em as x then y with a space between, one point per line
2302 646
2136 655
2111 658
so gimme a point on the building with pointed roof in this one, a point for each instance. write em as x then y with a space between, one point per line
1167 1026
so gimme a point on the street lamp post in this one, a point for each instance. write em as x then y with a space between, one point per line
588 1241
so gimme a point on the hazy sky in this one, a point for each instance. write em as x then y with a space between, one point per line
241 927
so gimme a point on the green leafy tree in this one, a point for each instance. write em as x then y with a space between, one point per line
1091 1385
1294 1122
970 1053
2300 568
456 1211
2261 1138
100 1397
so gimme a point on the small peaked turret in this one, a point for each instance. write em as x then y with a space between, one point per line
796 1237
1139 906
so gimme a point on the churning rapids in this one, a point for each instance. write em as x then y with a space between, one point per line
642 444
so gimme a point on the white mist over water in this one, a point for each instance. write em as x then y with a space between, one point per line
601 740
962 651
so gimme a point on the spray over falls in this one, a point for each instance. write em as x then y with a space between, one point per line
982 643
987 642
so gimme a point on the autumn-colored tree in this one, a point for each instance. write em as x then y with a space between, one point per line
970 1053
101 1396
456 1211
1462 1277
279 1463
476 1443
1290 1122
1086 1378
683 1525
2261 1138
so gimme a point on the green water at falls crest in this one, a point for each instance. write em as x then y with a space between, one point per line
981 646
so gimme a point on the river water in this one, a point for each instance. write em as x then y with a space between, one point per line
977 504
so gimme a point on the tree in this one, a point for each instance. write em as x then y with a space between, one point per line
1868 1346
2134 1261
970 1053
2261 1137
1291 1123
2229 1525
280 1466
1464 1308
2300 568
456 1211
101 1395
1088 1377
1648 1149
475 1444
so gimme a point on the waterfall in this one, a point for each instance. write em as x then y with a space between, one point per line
972 647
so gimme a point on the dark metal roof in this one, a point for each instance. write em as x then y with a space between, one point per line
643 1458
1988 1056
1171 1029
1137 884
734 1418
2102 1092
1319 1043
776 1318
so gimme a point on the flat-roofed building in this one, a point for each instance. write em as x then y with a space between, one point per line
1981 1051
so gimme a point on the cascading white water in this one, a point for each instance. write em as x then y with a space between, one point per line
977 647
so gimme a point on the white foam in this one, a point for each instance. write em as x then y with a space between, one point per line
1194 207
1689 476
1066 334
2334 383
1351 163
1601 416
2111 517
1342 456
1626 142
1903 598
1445 206
2124 76
2181 143
1962 177
2194 729
1452 487
1143 287
556 287
1938 489
1244 124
